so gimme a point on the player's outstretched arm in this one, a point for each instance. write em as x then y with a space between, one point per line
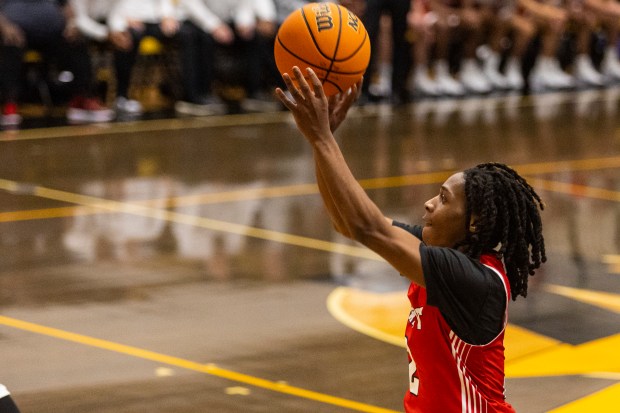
353 213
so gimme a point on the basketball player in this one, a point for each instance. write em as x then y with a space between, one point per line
481 240
7 405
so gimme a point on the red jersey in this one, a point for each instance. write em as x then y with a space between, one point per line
448 375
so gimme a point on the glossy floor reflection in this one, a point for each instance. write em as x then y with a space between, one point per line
186 265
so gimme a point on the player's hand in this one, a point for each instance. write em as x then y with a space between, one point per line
340 104
223 34
309 105
169 26
121 40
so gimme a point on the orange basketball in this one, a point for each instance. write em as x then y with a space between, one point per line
328 38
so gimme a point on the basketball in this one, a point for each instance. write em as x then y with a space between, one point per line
328 38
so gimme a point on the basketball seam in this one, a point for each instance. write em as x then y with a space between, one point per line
316 44
357 72
336 48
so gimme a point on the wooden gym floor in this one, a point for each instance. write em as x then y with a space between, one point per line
186 265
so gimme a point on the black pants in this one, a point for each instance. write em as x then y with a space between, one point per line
197 61
401 61
73 57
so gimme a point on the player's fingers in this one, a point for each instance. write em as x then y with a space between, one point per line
301 81
316 84
353 94
285 99
358 88
291 87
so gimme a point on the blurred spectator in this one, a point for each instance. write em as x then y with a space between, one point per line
91 17
465 20
381 82
607 13
521 31
267 24
551 21
421 22
201 31
497 20
243 31
129 22
583 22
48 27
400 57
286 7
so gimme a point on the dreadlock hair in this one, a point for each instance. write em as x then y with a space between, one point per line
506 211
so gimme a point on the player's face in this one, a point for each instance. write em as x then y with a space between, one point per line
445 214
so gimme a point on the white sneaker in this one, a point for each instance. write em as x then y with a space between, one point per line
586 73
128 106
211 105
446 84
611 65
382 86
472 78
490 69
548 75
514 75
423 84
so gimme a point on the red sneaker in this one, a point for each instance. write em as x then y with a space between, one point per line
82 109
10 115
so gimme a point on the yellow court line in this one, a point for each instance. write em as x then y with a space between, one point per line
606 300
213 198
603 401
207 223
576 190
140 126
209 369
571 165
372 183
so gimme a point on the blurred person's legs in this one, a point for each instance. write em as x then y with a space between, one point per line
523 32
422 25
74 58
251 51
498 21
10 69
381 84
472 26
400 56
197 63
124 62
584 23
446 30
547 73
608 14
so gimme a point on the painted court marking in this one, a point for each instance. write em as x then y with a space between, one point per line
210 369
97 205
528 354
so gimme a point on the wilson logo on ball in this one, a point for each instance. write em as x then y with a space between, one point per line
328 38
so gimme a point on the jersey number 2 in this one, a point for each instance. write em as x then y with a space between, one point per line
414 380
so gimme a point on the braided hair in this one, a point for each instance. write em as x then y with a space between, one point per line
506 211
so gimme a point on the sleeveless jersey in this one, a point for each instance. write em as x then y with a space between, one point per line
448 375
